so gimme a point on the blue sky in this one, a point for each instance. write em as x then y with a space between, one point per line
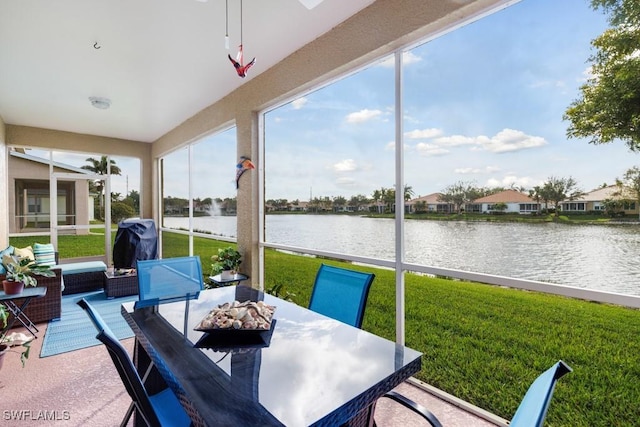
482 104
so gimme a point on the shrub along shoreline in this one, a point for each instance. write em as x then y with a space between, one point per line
481 343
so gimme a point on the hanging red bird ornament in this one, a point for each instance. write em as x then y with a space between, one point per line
238 63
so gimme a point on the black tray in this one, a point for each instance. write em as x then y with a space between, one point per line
230 339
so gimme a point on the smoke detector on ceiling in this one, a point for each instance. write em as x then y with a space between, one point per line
101 103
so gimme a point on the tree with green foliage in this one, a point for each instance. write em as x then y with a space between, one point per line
339 202
459 194
630 185
420 206
557 190
608 108
101 167
499 207
408 192
358 201
120 211
535 194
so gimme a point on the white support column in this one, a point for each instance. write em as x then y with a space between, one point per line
248 197
399 214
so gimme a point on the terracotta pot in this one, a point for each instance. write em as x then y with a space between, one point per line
12 287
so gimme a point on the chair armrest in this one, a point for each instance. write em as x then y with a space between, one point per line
415 407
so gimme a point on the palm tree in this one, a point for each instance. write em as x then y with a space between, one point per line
101 167
408 192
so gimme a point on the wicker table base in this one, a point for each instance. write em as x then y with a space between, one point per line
120 286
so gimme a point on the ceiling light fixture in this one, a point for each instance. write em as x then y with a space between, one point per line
101 103
310 4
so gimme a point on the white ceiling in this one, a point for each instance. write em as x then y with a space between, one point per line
158 61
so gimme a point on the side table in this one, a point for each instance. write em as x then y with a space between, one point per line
120 285
217 280
18 311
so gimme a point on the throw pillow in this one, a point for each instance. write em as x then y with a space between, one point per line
24 253
45 254
7 251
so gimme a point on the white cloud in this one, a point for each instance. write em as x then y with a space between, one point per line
346 165
587 74
508 140
485 170
408 58
345 181
425 149
423 133
457 140
299 103
363 116
548 83
512 180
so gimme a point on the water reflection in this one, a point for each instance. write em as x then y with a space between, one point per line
595 257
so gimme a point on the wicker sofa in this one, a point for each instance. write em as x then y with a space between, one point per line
82 276
48 307
71 278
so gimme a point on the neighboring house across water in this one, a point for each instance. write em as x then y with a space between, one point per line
594 201
298 206
429 203
29 203
515 201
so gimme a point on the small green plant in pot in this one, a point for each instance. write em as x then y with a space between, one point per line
22 271
226 262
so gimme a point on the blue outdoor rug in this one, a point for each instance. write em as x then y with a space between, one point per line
74 330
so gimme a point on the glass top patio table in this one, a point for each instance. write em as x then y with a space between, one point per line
308 370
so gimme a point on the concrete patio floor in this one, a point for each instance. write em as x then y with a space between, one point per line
82 388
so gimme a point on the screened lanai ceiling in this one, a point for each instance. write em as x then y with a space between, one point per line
159 62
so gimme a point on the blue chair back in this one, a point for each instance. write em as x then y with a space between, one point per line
535 403
168 279
341 294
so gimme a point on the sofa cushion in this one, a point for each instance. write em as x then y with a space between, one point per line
21 253
7 251
45 254
82 267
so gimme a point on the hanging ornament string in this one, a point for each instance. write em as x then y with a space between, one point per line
226 23
238 63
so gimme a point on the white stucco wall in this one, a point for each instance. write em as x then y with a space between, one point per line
4 182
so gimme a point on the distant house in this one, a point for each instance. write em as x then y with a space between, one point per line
516 202
594 201
429 203
298 206
29 202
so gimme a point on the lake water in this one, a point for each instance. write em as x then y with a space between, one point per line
602 257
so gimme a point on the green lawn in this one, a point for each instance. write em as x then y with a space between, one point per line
481 343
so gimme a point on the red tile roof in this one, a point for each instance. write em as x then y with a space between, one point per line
507 196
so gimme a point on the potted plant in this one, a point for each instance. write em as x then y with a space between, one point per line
6 341
226 262
20 273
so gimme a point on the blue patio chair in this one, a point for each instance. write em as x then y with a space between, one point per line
160 409
530 413
168 279
341 294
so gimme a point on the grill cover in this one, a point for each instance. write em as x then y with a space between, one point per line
136 239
